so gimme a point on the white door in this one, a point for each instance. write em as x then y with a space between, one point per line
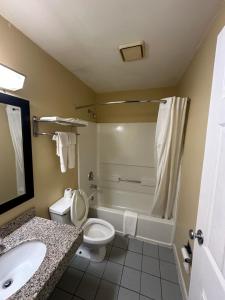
208 272
87 158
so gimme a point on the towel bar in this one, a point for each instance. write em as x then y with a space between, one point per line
48 133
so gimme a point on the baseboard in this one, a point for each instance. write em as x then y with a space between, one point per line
151 241
180 276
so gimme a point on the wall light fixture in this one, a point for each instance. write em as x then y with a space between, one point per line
10 79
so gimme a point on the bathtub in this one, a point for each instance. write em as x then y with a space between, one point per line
149 229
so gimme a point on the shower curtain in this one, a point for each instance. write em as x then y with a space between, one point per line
168 151
15 128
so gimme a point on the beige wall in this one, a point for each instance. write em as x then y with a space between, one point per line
131 112
52 90
7 160
196 83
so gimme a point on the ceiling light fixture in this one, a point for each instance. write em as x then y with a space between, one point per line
133 51
10 79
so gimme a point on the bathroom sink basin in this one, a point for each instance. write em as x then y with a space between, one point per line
18 265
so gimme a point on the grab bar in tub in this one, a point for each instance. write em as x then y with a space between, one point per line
129 180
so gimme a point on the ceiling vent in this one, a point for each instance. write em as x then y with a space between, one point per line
133 51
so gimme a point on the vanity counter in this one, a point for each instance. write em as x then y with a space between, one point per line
62 241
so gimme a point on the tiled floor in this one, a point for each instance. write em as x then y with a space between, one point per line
132 270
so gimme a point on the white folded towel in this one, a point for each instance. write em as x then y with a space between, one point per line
65 149
62 143
50 118
148 182
60 119
71 150
129 223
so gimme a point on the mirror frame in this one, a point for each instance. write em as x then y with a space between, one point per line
27 151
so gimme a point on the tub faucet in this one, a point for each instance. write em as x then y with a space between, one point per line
2 247
93 186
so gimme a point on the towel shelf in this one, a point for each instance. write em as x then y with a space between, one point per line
37 120
59 122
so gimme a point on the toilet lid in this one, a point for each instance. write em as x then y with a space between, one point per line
79 208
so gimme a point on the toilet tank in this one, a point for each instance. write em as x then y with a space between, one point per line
60 211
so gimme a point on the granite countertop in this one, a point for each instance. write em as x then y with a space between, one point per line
62 242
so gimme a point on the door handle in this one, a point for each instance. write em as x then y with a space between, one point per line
198 236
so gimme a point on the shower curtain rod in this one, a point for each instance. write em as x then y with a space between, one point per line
121 102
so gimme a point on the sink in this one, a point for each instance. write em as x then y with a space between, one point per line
18 265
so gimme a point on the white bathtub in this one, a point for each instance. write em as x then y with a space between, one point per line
149 229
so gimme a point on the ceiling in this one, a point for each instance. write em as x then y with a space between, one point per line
84 36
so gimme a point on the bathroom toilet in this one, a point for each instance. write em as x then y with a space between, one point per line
97 233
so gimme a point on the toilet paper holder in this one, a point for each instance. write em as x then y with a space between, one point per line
189 251
188 260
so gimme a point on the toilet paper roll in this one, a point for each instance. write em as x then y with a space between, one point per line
68 193
185 253
186 267
186 258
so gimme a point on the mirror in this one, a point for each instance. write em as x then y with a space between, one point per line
16 174
12 179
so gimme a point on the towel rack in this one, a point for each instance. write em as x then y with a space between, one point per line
48 133
36 121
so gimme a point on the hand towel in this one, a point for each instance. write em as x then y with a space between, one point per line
129 223
53 119
62 143
71 150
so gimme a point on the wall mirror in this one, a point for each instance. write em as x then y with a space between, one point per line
16 172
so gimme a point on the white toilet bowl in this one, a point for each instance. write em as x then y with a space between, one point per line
97 233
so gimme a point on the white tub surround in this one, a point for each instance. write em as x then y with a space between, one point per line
87 158
126 172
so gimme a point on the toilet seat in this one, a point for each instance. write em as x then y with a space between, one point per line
98 231
79 208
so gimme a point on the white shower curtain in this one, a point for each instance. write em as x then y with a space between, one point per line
15 128
168 149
